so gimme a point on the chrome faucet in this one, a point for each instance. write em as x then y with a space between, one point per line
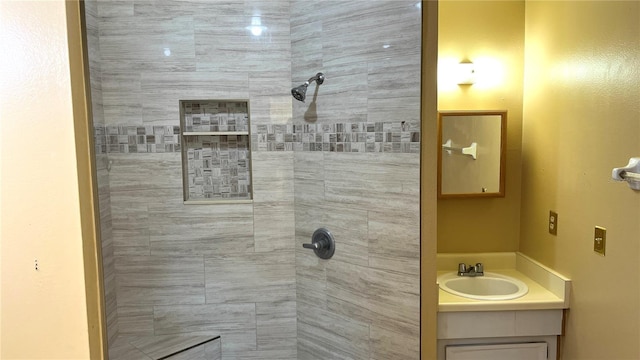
470 270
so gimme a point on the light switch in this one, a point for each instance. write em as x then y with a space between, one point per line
600 240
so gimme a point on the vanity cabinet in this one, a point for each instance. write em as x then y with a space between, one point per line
526 327
520 351
519 334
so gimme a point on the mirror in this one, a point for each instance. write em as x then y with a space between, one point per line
471 153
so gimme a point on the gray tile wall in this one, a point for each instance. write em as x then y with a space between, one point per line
239 269
364 303
104 197
205 269
225 269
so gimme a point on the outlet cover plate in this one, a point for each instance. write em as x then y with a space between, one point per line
553 223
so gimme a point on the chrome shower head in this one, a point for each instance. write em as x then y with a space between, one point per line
300 92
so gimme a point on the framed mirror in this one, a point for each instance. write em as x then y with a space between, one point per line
471 153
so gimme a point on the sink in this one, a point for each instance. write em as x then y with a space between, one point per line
491 286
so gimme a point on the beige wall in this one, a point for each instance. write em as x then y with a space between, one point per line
491 35
44 312
581 119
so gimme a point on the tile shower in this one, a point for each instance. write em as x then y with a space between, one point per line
347 159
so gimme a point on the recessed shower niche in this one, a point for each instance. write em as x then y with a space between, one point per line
216 155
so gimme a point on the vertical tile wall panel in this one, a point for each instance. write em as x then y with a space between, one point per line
370 54
326 335
260 354
136 320
206 230
116 8
273 109
122 98
161 91
350 226
213 350
273 226
236 323
104 198
388 344
276 325
309 181
121 349
402 254
196 353
272 176
155 280
371 181
269 52
250 278
208 351
140 172
130 223
155 54
174 347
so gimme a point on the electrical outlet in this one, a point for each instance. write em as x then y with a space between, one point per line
553 223
600 240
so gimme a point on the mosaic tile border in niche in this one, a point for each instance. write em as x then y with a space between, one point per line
215 115
387 137
218 167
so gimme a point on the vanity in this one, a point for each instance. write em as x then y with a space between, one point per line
523 328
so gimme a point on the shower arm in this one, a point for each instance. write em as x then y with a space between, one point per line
319 78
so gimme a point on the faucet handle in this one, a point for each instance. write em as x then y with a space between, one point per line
462 268
479 268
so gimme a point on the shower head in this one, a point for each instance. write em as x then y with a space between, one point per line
300 92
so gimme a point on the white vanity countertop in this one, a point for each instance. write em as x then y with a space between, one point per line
549 290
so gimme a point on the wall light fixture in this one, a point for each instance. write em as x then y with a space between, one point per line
466 73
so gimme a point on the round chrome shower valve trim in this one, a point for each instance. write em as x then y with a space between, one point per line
322 243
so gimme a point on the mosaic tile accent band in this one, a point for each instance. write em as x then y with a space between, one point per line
137 139
388 137
218 167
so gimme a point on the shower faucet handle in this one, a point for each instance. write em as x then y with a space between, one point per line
313 246
322 243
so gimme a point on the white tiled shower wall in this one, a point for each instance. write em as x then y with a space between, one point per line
239 269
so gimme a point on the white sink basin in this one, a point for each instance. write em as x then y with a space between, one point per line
491 286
